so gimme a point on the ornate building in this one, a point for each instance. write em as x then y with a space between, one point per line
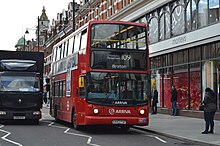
183 40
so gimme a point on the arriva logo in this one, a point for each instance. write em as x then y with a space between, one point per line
121 102
123 111
118 111
111 111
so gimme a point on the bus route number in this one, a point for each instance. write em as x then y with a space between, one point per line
125 57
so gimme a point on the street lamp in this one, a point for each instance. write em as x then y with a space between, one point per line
38 33
73 15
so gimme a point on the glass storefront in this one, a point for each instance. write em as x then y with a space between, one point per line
190 71
167 83
180 81
195 88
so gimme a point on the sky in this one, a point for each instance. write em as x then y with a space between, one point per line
17 15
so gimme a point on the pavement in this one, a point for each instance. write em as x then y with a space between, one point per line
183 128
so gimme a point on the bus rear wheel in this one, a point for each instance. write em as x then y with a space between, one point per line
75 126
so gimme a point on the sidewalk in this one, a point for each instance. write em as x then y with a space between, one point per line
183 128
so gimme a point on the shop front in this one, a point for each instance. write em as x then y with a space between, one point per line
190 71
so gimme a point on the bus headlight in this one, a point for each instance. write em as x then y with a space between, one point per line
95 111
141 111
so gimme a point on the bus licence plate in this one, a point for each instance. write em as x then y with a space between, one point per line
118 122
19 117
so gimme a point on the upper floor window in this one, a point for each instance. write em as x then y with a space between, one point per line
213 11
153 30
83 40
194 15
178 20
162 26
188 16
203 13
77 42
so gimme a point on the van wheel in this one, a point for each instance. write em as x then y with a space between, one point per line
75 126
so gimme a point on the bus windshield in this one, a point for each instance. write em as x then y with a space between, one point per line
118 36
105 88
19 82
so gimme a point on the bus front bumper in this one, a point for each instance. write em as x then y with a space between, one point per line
96 120
20 115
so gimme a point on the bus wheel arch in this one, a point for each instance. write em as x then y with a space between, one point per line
73 120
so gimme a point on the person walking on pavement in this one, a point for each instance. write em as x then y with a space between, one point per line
154 102
209 110
174 100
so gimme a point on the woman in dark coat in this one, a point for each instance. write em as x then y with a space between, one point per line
209 110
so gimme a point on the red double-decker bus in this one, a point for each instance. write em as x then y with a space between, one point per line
100 75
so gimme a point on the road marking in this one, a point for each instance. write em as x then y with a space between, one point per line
160 139
156 137
70 133
89 137
7 134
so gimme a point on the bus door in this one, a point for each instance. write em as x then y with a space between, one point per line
80 102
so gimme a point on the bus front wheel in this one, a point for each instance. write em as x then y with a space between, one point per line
75 126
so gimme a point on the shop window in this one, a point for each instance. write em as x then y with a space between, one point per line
156 62
169 59
209 51
167 83
217 49
164 62
194 54
195 86
180 81
180 57
156 83
203 13
213 11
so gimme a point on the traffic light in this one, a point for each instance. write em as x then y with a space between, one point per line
47 87
47 84
47 80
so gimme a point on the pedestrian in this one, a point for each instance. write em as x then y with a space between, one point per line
209 110
154 102
173 101
45 97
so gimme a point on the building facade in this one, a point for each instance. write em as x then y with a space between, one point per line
184 42
184 38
